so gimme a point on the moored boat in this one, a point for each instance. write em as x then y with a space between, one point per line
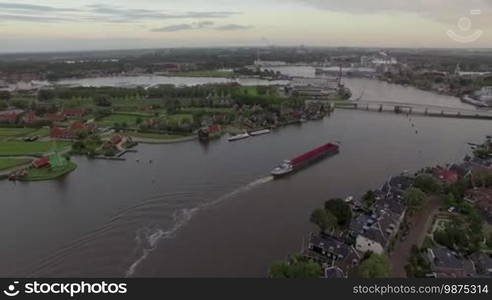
290 166
238 137
260 132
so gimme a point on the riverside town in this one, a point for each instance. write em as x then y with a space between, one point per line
191 140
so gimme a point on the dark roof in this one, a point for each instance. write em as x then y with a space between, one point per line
483 263
392 202
442 257
330 245
334 272
361 222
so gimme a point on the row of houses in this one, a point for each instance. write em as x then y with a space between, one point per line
445 263
20 116
375 231
367 232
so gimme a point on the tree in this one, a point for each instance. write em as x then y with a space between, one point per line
46 95
341 210
417 266
20 104
324 219
427 183
296 267
368 200
5 95
414 198
3 105
375 266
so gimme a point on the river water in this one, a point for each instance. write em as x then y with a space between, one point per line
212 210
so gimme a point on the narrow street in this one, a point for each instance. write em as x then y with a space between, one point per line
421 222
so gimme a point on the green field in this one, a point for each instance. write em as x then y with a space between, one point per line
49 174
212 73
15 132
8 163
129 119
19 148
209 110
156 136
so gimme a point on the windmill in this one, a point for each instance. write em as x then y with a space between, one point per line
56 160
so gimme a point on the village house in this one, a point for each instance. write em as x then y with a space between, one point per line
10 116
72 132
54 117
334 272
73 113
446 176
29 118
40 162
448 264
481 198
337 257
397 185
482 263
377 237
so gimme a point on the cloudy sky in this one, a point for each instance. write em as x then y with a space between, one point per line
45 25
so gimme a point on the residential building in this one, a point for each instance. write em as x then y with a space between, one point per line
448 264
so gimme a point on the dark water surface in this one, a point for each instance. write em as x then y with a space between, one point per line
213 210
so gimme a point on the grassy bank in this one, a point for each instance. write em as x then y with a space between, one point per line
20 148
156 136
220 74
8 163
49 174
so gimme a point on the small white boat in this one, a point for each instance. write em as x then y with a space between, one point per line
238 137
260 132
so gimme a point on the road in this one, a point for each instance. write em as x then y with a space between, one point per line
420 223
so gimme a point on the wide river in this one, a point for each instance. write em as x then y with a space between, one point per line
212 210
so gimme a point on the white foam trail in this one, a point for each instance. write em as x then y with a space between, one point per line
181 218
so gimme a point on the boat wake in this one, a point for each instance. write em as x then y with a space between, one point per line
148 238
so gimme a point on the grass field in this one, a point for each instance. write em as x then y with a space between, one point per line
49 174
8 163
129 119
19 148
179 117
212 73
156 136
15 132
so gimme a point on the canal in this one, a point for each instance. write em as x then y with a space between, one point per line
194 210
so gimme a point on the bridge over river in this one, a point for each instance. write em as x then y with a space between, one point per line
415 109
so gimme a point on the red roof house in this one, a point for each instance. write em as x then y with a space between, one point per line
116 139
445 175
29 118
10 117
40 162
73 112
54 117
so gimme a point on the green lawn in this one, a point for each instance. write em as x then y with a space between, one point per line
8 163
178 118
19 148
156 136
211 73
15 132
129 119
48 174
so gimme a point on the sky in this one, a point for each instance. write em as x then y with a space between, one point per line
65 25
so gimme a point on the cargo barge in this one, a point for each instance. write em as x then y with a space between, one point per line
299 162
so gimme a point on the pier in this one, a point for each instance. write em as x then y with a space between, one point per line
415 109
